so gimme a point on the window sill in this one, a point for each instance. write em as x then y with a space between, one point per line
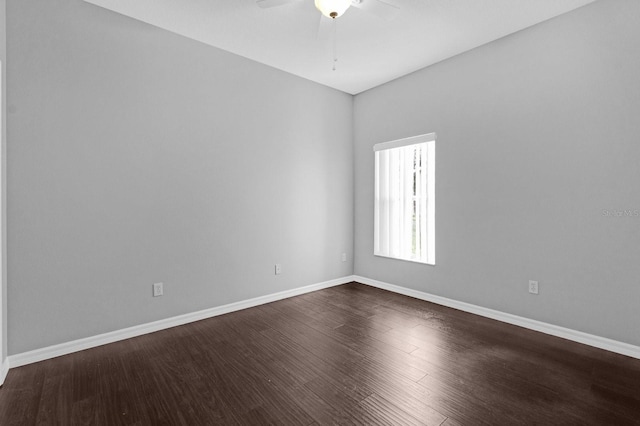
406 260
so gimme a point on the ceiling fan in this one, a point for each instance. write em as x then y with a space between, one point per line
335 8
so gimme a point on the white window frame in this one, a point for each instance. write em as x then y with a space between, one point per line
404 199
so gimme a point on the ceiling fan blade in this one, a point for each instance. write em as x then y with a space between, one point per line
377 7
273 3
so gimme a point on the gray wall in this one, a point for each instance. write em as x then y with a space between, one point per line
137 156
3 185
537 135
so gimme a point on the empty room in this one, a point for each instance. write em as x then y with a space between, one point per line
316 212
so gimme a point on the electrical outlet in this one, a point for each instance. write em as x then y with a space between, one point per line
278 269
344 257
157 290
533 287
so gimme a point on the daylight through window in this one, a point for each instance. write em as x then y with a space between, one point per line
404 214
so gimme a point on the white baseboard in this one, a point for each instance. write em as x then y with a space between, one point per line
49 352
554 330
4 369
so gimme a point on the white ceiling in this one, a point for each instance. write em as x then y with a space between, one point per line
372 50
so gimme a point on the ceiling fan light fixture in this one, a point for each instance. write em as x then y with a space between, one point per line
332 8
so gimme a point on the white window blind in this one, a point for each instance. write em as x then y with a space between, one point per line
404 212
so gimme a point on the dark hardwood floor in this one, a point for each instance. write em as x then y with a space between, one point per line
350 354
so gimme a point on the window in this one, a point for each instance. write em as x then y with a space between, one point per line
404 214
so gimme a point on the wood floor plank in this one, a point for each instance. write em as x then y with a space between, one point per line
308 367
375 335
451 422
349 410
307 308
421 402
358 340
394 318
314 340
382 409
55 403
346 303
350 354
401 363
